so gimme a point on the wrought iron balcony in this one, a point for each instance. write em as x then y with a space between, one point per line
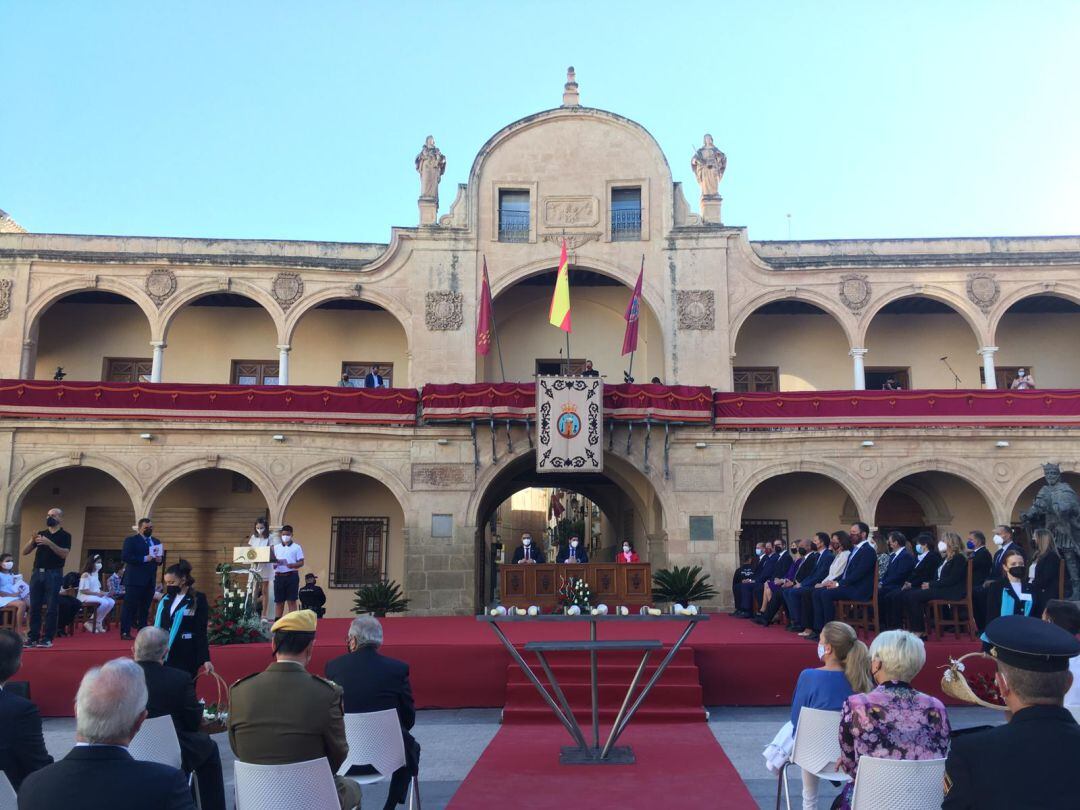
513 226
625 224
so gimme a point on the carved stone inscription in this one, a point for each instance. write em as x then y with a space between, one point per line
571 212
442 476
699 478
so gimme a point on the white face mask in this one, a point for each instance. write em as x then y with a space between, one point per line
999 540
573 544
626 549
941 547
821 651
97 566
8 565
286 539
526 542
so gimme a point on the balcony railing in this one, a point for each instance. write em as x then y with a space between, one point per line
513 226
625 225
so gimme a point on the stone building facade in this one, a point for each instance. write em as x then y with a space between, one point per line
717 309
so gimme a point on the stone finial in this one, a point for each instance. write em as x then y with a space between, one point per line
8 225
570 97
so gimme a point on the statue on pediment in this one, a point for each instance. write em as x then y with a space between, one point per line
708 164
430 165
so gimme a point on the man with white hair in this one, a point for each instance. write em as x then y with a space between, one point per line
171 692
372 682
99 773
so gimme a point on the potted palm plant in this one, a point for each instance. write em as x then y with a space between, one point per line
682 585
380 598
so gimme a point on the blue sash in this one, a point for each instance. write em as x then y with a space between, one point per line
177 617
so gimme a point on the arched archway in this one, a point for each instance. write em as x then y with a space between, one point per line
1024 331
933 500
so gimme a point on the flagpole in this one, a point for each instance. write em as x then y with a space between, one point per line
567 331
495 330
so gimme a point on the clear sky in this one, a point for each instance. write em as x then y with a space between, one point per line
286 120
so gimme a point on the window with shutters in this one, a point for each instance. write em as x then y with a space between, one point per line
748 380
625 214
127 369
254 372
513 215
354 373
358 550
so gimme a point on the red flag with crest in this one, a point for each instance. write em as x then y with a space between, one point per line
483 321
629 342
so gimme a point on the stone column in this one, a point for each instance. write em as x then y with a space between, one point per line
989 372
26 362
859 368
11 540
159 358
283 363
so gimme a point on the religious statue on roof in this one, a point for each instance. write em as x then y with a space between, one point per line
430 164
708 164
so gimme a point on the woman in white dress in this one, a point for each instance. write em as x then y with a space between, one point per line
90 593
260 538
11 595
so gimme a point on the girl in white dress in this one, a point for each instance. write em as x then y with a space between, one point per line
90 593
10 592
260 538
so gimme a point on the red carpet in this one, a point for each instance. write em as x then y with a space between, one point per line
520 768
457 662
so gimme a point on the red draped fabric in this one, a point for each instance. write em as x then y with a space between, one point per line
892 409
462 402
290 403
658 403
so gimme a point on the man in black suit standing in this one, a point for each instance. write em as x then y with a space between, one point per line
99 773
171 691
374 379
141 555
372 682
22 747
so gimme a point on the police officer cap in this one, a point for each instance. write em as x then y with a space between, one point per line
302 621
1027 643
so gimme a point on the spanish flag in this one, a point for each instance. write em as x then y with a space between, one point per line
560 299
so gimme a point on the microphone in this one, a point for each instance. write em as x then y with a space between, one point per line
946 357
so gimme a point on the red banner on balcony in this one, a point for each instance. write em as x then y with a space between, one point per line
897 409
658 403
45 399
463 402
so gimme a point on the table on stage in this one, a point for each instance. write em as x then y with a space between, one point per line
612 584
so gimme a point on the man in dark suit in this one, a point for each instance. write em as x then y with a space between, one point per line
745 573
982 572
754 587
1041 736
374 379
22 747
857 581
793 597
99 773
574 552
927 562
171 692
901 564
527 552
371 683
141 555
796 573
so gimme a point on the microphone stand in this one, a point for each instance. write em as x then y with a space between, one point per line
956 377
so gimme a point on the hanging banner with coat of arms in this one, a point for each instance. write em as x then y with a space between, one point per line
569 420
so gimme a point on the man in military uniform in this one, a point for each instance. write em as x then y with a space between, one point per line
285 714
1041 736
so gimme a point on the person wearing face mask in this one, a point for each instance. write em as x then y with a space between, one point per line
260 538
856 583
840 543
798 572
951 582
286 714
527 552
1003 541
183 614
288 559
11 594
90 593
50 548
574 553
845 670
141 555
898 567
627 555
794 597
1040 737
927 562
1043 573
1012 595
752 589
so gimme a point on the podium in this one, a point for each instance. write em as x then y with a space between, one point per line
525 584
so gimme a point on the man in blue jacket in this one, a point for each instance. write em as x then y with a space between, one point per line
756 584
856 583
901 564
793 597
141 555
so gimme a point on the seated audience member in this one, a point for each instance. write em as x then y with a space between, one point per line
171 691
68 604
746 572
1066 615
900 565
1012 595
1043 573
574 552
527 552
90 593
11 594
845 670
884 555
1041 739
793 597
99 773
927 562
627 555
951 582
751 589
285 714
855 583
312 597
372 682
840 544
894 721
22 747
798 572
115 585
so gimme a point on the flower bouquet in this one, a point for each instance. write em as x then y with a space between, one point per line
575 592
215 717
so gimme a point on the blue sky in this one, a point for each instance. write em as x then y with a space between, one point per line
301 120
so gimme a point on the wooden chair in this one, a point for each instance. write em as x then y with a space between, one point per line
9 619
861 615
936 608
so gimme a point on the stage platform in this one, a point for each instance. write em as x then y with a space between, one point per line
457 662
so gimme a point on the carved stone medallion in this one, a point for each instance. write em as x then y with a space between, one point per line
855 291
983 290
160 284
573 240
444 311
696 308
5 296
287 289
571 212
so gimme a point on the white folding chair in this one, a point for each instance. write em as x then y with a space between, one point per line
156 741
8 799
375 740
286 787
816 749
899 784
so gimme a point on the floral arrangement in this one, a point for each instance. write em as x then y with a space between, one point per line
232 618
575 591
215 717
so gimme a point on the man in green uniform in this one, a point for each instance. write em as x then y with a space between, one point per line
285 714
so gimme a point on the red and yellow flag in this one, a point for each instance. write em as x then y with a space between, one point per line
560 299
484 321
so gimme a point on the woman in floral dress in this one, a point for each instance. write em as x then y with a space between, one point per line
894 721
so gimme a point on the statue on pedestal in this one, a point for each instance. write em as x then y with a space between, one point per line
430 164
708 164
1057 508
